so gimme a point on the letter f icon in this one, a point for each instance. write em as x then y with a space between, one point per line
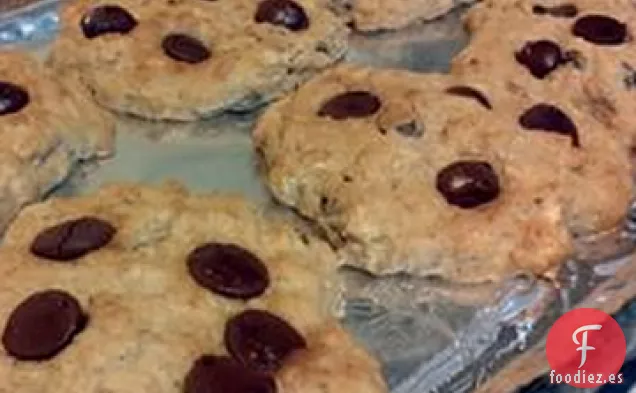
583 346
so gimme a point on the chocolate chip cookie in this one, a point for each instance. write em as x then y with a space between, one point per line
192 59
427 174
580 53
48 127
151 289
374 15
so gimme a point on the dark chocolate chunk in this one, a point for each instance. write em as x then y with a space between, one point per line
228 270
600 30
72 239
558 11
468 184
222 374
470 92
13 98
540 57
545 117
352 104
43 325
182 47
286 13
261 340
107 19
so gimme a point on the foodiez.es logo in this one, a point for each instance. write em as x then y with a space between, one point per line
586 348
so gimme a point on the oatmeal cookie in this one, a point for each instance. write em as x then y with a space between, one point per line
192 59
48 127
425 174
151 289
580 53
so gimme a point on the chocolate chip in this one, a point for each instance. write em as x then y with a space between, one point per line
600 30
575 58
324 203
12 98
545 117
222 374
410 129
352 104
628 76
43 325
228 270
72 239
182 47
540 57
468 184
323 47
286 13
470 92
107 19
261 340
558 11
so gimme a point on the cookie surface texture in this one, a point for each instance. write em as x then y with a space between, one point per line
576 52
48 126
430 175
192 59
152 289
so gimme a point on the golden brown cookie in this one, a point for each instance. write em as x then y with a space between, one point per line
48 126
580 53
153 289
425 174
192 59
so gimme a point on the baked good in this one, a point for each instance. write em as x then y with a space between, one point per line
47 129
192 59
151 289
376 15
576 52
422 173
